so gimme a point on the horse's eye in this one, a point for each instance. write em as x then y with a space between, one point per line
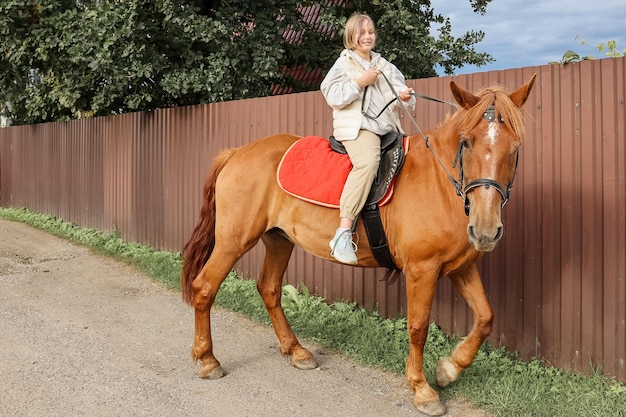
466 143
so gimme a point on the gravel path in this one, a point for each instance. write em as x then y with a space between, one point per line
84 335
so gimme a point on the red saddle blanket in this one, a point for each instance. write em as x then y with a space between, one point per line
312 171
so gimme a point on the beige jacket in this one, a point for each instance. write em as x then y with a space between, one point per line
343 94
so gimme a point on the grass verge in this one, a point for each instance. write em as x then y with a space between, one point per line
497 381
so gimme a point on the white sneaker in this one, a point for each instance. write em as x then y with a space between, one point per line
343 248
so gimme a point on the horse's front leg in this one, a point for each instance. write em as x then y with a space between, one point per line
205 287
470 286
420 292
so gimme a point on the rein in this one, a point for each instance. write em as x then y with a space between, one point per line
490 116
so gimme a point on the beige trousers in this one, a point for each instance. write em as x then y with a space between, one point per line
364 152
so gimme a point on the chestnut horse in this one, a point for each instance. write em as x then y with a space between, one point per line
243 203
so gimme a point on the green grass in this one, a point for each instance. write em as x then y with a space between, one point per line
497 381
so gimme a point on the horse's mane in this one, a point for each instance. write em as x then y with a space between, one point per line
512 116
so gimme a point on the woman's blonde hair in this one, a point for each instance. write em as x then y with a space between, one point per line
353 25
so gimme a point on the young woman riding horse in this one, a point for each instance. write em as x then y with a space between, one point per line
478 144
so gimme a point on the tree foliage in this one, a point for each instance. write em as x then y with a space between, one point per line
609 49
64 59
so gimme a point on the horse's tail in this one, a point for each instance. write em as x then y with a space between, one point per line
200 245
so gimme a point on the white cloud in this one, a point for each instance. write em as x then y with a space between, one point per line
520 33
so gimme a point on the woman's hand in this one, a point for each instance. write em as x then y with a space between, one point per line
406 94
368 78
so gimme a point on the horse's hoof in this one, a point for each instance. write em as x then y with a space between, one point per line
446 372
211 372
431 408
305 363
303 359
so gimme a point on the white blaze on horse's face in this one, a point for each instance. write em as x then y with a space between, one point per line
491 138
485 221
492 132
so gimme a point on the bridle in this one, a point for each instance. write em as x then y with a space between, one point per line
461 189
490 116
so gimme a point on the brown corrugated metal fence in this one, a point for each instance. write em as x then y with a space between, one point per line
556 281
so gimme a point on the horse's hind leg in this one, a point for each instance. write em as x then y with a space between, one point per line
277 253
471 289
205 288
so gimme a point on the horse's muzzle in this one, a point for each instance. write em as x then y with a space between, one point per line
484 240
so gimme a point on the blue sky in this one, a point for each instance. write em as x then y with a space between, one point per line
522 33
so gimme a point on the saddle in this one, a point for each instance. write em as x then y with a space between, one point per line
391 160
315 169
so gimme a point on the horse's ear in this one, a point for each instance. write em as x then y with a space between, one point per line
519 96
465 99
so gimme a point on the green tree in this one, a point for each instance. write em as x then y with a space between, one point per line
405 37
609 49
64 59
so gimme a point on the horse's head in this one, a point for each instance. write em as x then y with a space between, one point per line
491 131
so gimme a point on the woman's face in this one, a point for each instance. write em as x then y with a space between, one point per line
365 39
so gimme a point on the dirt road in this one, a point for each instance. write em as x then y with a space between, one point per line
84 335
